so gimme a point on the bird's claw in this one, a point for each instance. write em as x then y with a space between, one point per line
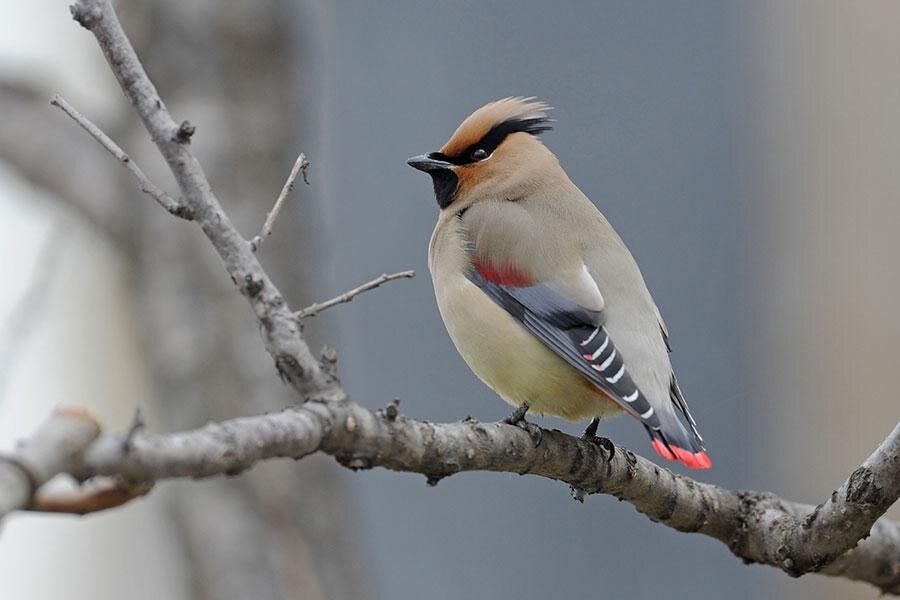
607 445
578 493
590 432
590 436
536 433
517 418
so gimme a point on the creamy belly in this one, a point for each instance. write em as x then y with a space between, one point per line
510 360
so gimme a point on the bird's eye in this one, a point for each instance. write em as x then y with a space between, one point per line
479 154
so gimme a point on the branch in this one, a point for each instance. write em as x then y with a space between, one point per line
300 165
757 527
314 309
56 447
846 517
147 186
279 328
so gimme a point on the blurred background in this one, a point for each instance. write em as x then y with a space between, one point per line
746 152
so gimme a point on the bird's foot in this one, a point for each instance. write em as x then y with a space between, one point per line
590 436
578 493
590 432
517 418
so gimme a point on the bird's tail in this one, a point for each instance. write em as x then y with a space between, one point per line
679 446
673 441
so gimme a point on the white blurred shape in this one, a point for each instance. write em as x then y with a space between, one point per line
81 348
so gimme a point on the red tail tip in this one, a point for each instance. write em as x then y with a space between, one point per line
698 460
662 449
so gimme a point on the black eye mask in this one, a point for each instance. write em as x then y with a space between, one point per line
493 138
445 180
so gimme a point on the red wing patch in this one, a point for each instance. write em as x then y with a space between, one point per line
506 275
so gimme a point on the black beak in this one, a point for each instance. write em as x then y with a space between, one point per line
427 162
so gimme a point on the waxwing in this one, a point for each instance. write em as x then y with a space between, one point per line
538 292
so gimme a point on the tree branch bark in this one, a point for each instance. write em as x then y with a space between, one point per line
56 447
757 527
841 537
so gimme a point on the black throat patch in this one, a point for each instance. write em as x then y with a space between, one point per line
445 183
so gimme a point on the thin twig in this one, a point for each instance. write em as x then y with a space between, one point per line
314 309
300 165
147 186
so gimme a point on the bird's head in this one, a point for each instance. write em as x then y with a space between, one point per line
494 154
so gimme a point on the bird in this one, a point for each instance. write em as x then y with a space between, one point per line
539 294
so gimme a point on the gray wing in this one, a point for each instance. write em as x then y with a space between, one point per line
576 335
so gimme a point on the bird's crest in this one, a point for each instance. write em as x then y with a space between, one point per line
501 117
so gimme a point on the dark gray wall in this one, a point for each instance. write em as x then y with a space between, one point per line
647 99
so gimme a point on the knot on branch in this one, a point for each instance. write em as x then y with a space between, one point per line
182 211
253 286
355 461
391 411
748 503
631 463
329 359
85 16
185 132
862 489
289 369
